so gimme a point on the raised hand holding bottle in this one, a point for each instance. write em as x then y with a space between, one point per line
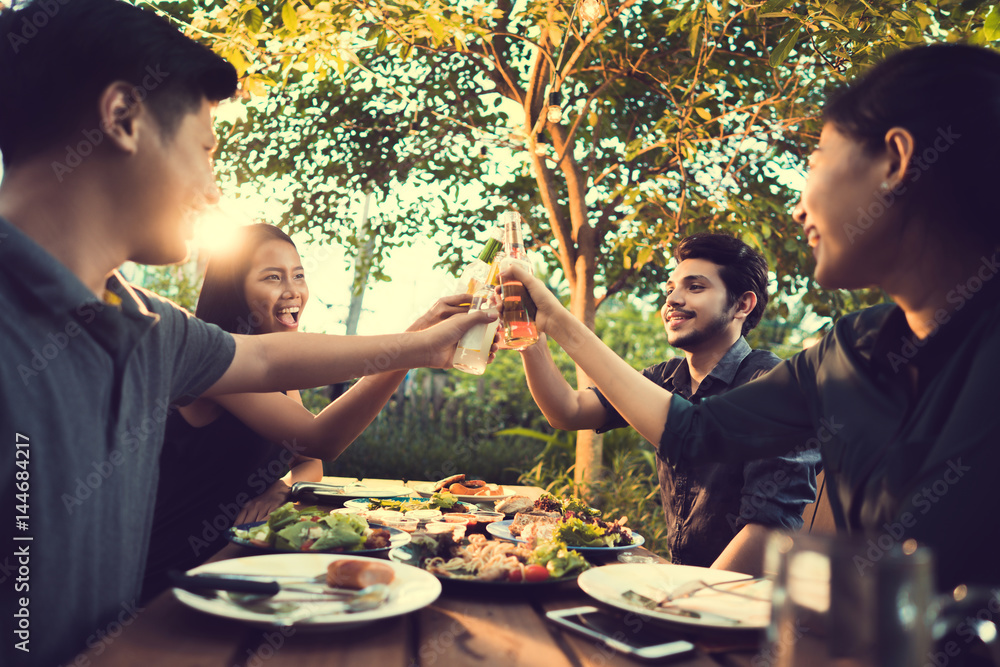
518 317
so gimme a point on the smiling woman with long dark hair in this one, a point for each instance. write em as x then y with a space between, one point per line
225 459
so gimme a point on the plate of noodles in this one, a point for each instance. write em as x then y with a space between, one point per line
480 560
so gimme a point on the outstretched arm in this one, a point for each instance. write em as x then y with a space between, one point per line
273 362
642 403
564 407
283 420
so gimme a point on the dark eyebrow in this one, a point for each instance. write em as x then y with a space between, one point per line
691 278
279 269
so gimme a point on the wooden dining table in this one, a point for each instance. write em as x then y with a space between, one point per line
467 625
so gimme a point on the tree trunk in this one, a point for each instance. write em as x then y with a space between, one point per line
589 444
362 265
577 241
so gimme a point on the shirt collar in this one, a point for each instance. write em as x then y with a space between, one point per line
725 370
48 284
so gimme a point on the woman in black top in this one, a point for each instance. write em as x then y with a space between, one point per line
225 459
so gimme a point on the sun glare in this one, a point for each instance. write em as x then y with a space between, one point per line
215 229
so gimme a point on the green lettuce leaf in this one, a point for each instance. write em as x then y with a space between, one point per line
575 533
558 559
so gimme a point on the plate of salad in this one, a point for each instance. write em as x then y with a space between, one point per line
576 534
570 521
312 530
480 561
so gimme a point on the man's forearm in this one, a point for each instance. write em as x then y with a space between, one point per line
553 395
276 362
642 403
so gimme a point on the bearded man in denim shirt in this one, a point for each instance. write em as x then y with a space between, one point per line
717 514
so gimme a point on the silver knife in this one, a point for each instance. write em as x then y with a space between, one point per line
255 584
651 604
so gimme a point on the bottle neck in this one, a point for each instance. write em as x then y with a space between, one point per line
513 240
489 252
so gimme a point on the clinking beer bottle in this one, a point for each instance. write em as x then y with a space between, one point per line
476 273
518 318
473 349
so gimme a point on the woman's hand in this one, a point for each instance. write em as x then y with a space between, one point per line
439 341
258 508
442 309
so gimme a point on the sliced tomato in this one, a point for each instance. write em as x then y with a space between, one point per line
307 544
535 573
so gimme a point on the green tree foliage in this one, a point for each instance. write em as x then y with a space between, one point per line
676 118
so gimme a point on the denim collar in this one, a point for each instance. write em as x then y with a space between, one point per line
724 371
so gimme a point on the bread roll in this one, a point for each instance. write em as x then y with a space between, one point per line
355 573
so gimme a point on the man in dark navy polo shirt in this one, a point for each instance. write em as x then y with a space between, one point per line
107 141
718 514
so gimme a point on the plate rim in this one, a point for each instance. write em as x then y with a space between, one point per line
637 539
619 603
406 603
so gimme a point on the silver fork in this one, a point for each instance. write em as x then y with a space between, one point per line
288 613
689 588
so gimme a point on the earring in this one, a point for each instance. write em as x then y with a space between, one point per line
884 186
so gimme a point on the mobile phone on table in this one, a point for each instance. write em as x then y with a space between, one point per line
632 634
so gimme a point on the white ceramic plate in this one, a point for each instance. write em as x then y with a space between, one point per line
356 490
425 491
411 589
501 529
707 608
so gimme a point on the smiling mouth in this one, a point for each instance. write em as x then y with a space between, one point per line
676 318
812 237
288 316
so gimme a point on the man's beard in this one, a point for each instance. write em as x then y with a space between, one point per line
698 337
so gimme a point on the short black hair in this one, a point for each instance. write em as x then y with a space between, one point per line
948 97
58 56
741 268
223 300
